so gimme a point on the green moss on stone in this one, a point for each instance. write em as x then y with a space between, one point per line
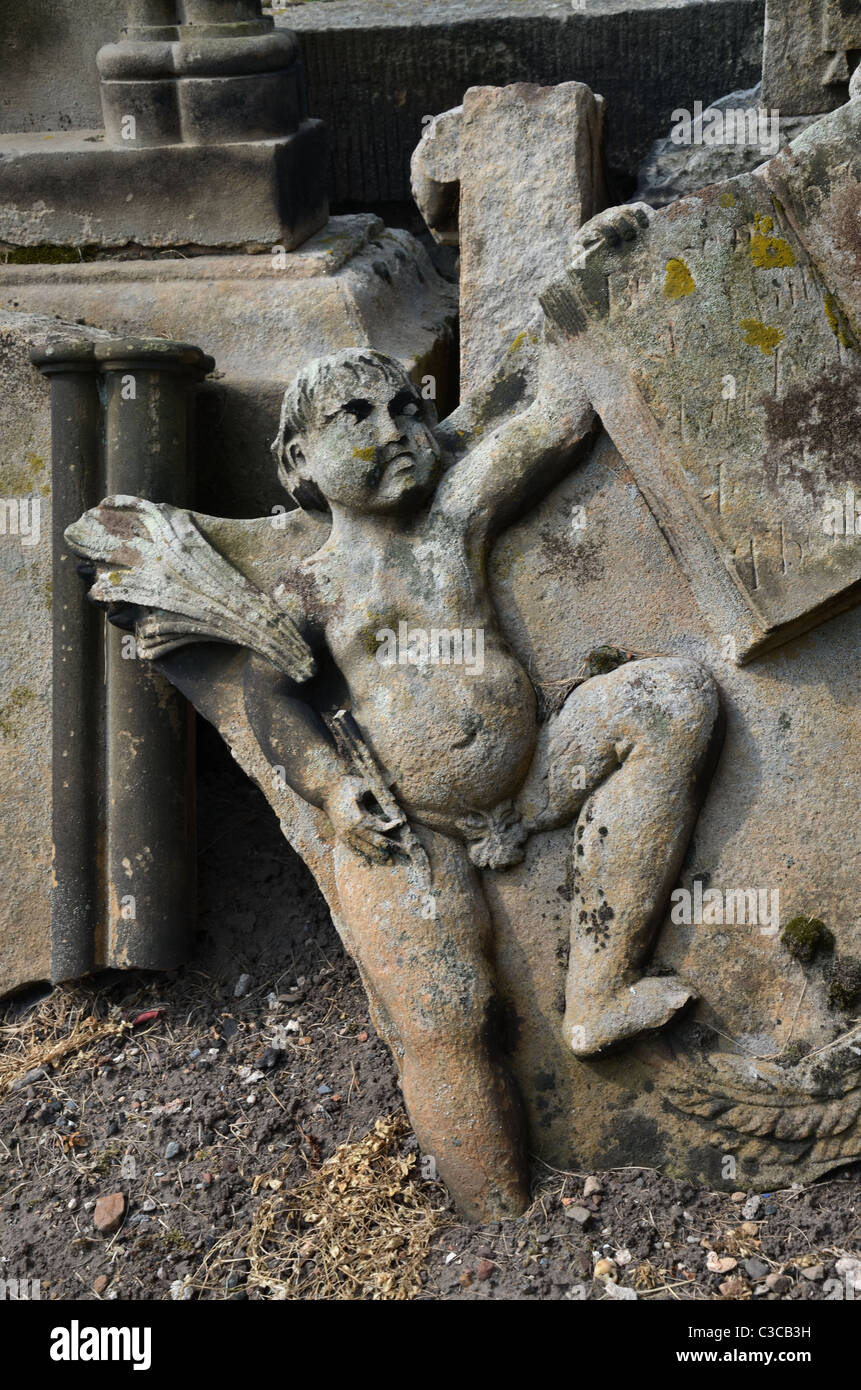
804 937
48 254
601 660
794 1053
844 986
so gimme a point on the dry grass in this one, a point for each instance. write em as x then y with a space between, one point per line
360 1227
65 1028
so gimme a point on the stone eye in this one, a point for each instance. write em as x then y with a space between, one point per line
405 405
360 410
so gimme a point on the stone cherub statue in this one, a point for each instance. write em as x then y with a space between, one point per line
433 772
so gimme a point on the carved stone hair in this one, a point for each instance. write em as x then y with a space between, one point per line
342 374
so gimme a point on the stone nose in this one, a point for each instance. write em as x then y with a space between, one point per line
386 429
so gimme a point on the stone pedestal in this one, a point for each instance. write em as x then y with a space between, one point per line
73 189
206 142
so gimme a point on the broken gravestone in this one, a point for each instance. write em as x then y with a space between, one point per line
509 175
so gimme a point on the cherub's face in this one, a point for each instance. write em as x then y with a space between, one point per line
374 451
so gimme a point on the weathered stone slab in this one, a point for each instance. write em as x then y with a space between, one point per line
720 348
591 566
70 188
810 50
527 162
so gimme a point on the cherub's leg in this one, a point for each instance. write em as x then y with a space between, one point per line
423 954
632 752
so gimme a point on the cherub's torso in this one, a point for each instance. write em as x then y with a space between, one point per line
455 737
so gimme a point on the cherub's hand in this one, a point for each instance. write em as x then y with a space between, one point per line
363 830
613 226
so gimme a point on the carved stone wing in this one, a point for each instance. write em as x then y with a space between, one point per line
770 1114
153 556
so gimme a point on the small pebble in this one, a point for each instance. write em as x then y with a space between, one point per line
241 986
579 1214
814 1273
778 1283
484 1269
173 1149
592 1187
756 1269
109 1212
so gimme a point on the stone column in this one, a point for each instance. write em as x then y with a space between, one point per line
123 891
78 691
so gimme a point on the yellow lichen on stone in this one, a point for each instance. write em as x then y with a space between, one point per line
760 335
727 200
837 323
679 282
366 454
19 697
768 251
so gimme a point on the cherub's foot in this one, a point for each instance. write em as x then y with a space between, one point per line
599 1024
613 226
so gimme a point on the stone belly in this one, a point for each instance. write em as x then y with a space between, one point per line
452 740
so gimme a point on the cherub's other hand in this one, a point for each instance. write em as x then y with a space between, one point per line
357 826
613 226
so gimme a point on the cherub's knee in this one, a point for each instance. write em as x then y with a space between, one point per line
682 702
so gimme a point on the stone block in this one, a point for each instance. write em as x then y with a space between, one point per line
377 69
810 50
73 189
527 162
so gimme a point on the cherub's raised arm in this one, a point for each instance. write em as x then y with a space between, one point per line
520 459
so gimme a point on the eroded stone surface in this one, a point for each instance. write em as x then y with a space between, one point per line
809 53
731 136
718 340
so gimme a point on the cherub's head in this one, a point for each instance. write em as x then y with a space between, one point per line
355 432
